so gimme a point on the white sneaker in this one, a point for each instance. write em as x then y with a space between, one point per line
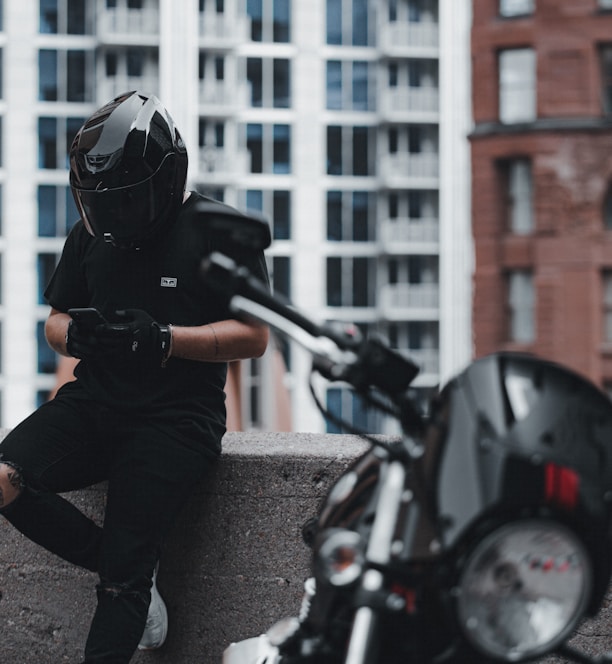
156 629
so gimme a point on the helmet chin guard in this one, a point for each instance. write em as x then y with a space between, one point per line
128 168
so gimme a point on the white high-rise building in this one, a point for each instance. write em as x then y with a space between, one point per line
344 121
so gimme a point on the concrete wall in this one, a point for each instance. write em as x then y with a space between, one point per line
235 562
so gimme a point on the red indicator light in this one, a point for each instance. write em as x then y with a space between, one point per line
561 486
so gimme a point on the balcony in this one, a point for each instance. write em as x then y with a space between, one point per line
220 164
409 301
111 87
410 104
410 236
120 25
406 39
223 31
221 97
409 169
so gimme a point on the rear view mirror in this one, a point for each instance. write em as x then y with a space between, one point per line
234 228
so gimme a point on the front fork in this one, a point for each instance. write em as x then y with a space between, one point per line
363 643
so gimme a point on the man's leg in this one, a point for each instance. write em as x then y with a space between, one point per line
46 454
150 479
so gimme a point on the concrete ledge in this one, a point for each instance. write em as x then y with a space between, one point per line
234 564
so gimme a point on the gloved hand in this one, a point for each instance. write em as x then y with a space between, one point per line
146 341
85 342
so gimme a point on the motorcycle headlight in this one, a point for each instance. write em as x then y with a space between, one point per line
340 557
523 589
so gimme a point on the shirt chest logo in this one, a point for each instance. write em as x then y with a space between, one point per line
168 282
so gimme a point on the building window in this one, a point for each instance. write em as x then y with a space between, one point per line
605 4
607 210
521 306
351 282
351 216
349 22
57 212
55 136
517 85
63 75
65 17
276 205
607 306
349 86
520 197
516 7
606 78
350 150
280 276
270 20
346 406
270 148
270 82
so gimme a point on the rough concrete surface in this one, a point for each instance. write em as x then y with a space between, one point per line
235 562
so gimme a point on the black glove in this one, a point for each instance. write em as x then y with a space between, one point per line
146 341
85 342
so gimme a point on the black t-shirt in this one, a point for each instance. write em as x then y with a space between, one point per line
165 280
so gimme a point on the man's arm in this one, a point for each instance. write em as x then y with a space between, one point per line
222 341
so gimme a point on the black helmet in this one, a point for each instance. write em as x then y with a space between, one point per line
128 167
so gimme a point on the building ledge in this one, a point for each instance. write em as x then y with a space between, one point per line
486 129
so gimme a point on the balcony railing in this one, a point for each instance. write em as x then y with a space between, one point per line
404 101
396 297
219 94
113 86
401 234
407 37
118 23
402 165
219 29
222 161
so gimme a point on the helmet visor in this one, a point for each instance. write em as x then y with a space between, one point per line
127 216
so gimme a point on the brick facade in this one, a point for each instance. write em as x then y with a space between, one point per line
569 148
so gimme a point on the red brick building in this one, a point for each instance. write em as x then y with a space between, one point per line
542 180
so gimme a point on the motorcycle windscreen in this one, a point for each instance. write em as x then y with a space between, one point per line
514 431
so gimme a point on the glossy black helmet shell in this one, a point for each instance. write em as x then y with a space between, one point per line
128 168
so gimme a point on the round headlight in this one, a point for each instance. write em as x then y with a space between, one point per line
340 557
523 589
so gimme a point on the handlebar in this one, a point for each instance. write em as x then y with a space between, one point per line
363 363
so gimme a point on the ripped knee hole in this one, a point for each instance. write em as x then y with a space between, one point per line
11 484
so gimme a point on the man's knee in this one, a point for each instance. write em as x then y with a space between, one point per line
11 484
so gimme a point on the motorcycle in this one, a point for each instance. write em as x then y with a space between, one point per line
480 535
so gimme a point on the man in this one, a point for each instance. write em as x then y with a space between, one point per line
146 411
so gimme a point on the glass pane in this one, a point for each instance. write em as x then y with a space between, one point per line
46 211
47 75
334 85
281 21
281 83
77 24
334 150
334 22
254 77
282 215
360 86
48 16
281 150
334 216
76 76
334 282
517 92
360 23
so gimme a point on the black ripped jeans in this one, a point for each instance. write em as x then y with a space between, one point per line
70 444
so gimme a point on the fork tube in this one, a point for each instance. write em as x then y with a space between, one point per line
363 643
